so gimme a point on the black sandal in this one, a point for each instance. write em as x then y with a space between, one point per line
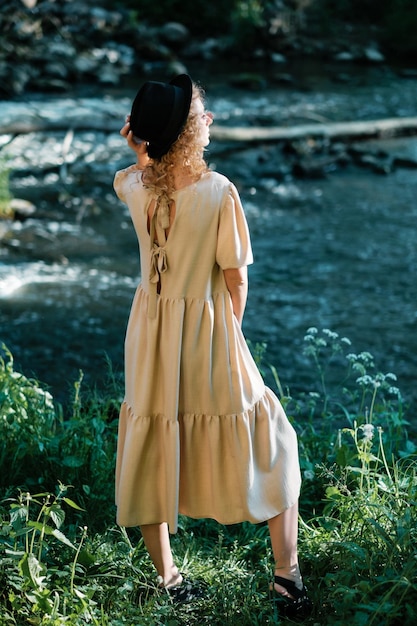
296 608
186 591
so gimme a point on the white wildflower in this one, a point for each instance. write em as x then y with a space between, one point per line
330 334
365 380
309 338
368 431
366 357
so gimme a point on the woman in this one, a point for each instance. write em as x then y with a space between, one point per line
199 432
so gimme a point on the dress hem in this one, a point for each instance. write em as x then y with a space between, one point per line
215 519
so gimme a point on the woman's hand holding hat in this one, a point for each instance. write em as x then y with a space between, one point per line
138 146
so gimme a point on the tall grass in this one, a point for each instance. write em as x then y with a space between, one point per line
6 210
64 561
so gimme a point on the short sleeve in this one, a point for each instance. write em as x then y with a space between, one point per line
233 240
119 177
120 182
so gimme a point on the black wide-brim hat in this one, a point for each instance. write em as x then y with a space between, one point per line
159 112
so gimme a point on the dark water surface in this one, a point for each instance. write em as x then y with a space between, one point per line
338 252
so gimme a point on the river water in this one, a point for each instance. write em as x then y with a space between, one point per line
335 252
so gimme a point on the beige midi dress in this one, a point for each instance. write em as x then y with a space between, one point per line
199 433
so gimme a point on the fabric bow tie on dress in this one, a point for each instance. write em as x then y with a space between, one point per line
158 266
158 256
158 263
162 212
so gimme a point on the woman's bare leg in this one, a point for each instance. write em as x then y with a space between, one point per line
283 529
156 538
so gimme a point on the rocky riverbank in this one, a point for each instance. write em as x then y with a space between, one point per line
50 46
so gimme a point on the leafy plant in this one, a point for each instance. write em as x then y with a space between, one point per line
27 419
39 446
38 576
364 542
362 394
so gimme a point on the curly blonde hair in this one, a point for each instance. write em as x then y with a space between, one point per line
185 152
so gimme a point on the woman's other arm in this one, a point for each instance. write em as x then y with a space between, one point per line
237 285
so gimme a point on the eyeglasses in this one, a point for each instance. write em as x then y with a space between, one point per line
207 116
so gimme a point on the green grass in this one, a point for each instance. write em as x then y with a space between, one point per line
6 210
63 560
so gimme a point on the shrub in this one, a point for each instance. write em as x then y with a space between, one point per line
27 421
38 446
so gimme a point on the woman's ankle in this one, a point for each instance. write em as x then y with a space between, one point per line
170 579
291 573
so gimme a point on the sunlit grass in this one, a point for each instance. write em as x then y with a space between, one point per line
64 561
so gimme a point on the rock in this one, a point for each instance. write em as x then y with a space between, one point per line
22 209
154 50
283 79
207 50
406 162
408 72
379 164
19 77
48 83
278 58
175 67
85 63
108 75
174 34
373 55
342 77
164 69
60 49
60 70
312 168
345 57
108 63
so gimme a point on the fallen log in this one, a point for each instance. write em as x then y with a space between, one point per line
40 124
383 128
388 127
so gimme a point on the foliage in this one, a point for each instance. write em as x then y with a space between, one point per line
354 10
245 21
400 23
27 418
5 195
396 20
199 16
358 529
39 562
38 446
252 22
